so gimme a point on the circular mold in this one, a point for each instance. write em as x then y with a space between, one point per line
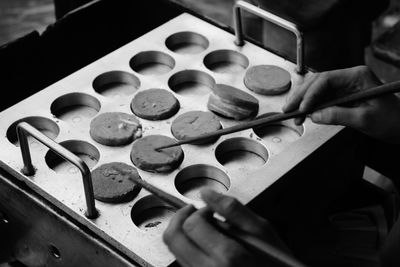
241 154
226 61
192 179
116 84
44 125
187 43
152 214
191 83
280 132
75 107
152 63
86 151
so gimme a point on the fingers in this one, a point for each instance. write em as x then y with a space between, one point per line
234 212
296 95
321 86
315 93
206 236
185 250
196 242
324 86
351 117
240 217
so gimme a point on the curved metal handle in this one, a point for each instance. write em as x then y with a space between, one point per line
23 129
271 18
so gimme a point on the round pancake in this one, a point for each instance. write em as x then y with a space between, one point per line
115 129
112 182
267 80
195 123
233 103
155 104
145 156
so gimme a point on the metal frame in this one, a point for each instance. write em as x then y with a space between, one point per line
24 129
290 26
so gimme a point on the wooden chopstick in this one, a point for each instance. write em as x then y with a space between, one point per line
374 92
243 237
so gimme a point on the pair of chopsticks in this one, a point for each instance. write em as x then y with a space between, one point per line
374 92
245 238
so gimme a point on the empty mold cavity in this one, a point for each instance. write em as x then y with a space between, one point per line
152 214
152 63
116 84
226 61
86 151
192 179
75 107
187 43
241 154
191 83
280 132
44 125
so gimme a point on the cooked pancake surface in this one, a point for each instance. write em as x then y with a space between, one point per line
145 156
112 182
115 129
195 123
155 104
233 103
267 80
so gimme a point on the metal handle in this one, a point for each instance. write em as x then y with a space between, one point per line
23 129
271 18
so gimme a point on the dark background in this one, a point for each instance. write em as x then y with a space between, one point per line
19 17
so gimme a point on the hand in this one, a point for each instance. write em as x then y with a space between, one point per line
195 241
378 117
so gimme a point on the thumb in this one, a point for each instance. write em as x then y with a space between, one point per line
338 116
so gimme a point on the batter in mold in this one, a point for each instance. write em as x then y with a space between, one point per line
195 123
233 103
155 104
145 156
267 80
115 129
112 182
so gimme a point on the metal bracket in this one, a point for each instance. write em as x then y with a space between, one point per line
24 129
273 19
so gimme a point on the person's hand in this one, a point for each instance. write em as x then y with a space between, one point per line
378 117
195 241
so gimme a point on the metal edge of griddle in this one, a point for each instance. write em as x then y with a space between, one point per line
7 174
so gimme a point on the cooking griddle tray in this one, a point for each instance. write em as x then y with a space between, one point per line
186 56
